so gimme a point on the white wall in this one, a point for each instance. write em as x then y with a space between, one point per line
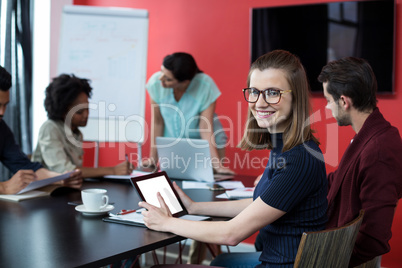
46 29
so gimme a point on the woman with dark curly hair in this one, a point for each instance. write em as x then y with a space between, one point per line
59 145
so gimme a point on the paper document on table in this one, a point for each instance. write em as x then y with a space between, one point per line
135 173
137 219
231 184
40 183
240 193
194 185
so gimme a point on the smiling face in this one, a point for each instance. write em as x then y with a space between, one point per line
271 116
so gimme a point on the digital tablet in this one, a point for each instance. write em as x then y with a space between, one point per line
149 185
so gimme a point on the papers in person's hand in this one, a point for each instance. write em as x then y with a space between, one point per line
31 191
40 183
239 193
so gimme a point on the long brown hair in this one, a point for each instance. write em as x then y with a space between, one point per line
298 129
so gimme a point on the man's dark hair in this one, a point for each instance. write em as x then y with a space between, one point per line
62 92
5 79
351 77
182 65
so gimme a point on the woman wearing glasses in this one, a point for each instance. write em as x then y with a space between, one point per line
291 196
183 100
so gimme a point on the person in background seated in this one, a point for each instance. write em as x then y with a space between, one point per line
183 101
369 176
291 196
14 159
59 145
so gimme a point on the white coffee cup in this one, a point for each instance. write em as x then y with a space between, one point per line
94 199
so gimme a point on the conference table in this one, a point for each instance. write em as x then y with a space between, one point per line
49 232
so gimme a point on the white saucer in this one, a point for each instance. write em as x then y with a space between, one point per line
83 210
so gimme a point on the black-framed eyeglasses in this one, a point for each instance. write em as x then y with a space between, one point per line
270 95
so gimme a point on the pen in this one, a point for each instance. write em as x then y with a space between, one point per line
131 165
124 212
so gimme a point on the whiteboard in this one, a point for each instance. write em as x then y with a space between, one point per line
109 47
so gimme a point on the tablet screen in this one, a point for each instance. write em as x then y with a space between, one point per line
148 186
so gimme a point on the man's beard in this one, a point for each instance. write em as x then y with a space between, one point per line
343 120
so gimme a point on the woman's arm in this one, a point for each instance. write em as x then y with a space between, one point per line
124 168
207 133
157 127
207 128
255 216
54 154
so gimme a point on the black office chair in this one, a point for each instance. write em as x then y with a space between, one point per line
374 263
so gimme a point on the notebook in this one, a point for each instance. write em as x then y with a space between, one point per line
187 159
147 187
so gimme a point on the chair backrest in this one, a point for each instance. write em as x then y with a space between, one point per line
328 248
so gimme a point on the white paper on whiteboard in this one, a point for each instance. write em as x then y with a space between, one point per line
109 47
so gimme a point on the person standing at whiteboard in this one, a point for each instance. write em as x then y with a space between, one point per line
59 145
183 100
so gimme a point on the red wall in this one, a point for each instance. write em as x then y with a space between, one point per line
217 34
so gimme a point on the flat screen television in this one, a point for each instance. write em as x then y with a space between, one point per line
319 33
